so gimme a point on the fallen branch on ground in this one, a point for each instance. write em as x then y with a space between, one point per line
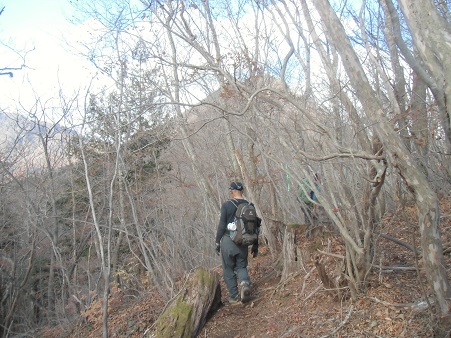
399 242
405 268
422 305
330 254
343 323
313 292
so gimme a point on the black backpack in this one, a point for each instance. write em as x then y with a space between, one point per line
247 224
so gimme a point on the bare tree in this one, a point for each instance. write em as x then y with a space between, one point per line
20 55
427 36
399 157
31 166
269 93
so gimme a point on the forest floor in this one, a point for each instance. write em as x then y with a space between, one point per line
394 305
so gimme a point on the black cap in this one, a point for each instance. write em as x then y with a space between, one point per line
236 186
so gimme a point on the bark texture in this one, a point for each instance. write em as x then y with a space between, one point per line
291 253
186 314
400 158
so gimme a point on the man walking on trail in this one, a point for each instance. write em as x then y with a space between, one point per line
234 257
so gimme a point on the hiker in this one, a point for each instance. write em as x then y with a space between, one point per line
234 257
310 199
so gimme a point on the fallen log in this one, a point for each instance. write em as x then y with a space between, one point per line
187 313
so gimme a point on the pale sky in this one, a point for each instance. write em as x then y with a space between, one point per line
40 25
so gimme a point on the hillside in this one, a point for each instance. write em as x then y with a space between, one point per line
394 305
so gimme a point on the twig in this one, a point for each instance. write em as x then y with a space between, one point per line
331 254
399 242
368 333
295 329
405 268
305 279
414 306
391 304
313 292
282 283
343 323
269 275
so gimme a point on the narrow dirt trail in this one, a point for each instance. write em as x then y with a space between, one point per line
301 306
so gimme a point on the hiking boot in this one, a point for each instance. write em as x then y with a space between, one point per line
234 300
245 292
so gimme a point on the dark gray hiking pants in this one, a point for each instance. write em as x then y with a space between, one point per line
234 264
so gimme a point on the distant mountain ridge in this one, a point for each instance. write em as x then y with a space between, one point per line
20 146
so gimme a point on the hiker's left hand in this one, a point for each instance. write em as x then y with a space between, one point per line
254 250
217 248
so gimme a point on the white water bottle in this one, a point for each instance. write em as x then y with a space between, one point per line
231 226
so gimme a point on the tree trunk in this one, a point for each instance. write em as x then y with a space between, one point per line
186 313
400 158
291 253
325 279
428 35
420 125
211 202
431 36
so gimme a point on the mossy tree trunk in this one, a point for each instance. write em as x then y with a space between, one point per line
186 314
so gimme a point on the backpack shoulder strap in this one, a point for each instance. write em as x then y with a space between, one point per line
234 203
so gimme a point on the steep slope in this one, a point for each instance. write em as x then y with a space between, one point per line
394 305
